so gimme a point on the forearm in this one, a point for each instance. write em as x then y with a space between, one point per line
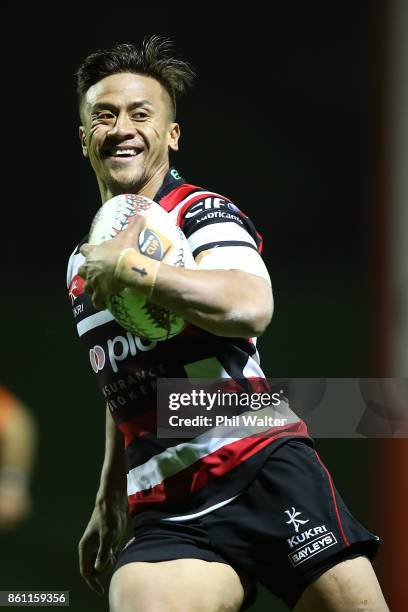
112 485
223 302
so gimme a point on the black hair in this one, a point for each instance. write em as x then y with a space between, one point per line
153 58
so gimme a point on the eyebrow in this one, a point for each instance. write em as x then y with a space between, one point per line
108 105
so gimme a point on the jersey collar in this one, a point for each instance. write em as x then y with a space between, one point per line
171 181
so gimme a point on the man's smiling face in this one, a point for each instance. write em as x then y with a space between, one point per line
127 132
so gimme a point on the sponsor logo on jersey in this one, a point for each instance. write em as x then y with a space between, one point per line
118 349
153 244
76 288
293 520
306 535
219 214
206 204
97 358
312 548
234 208
175 174
77 310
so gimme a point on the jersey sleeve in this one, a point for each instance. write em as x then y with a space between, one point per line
222 237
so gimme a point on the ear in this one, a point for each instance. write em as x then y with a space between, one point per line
82 138
174 135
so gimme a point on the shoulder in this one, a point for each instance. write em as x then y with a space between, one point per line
203 208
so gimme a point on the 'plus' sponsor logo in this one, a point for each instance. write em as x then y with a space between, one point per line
118 349
97 358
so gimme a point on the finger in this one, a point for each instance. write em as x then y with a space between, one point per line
94 584
98 300
88 571
82 271
88 287
104 556
114 555
86 249
103 564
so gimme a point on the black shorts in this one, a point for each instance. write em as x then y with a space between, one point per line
286 528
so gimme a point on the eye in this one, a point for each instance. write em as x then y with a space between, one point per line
102 116
139 115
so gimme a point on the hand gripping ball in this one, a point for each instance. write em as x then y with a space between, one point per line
162 240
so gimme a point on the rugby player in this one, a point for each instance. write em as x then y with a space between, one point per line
211 516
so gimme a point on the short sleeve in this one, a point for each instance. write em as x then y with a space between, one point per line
221 236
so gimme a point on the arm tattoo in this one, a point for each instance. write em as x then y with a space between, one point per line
142 271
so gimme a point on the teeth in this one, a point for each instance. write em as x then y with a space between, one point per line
125 152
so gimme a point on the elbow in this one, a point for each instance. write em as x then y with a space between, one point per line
261 312
251 321
259 321
259 309
262 325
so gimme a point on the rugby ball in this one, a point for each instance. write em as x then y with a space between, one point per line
162 240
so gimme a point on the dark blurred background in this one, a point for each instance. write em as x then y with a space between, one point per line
287 120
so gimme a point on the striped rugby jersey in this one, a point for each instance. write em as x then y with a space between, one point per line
178 479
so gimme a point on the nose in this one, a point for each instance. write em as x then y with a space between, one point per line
123 128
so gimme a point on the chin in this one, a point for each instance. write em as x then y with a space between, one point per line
124 184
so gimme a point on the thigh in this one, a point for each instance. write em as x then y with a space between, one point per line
350 586
171 586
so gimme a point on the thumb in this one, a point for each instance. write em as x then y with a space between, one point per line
136 224
103 556
86 249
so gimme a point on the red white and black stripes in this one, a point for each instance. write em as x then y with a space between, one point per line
170 477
